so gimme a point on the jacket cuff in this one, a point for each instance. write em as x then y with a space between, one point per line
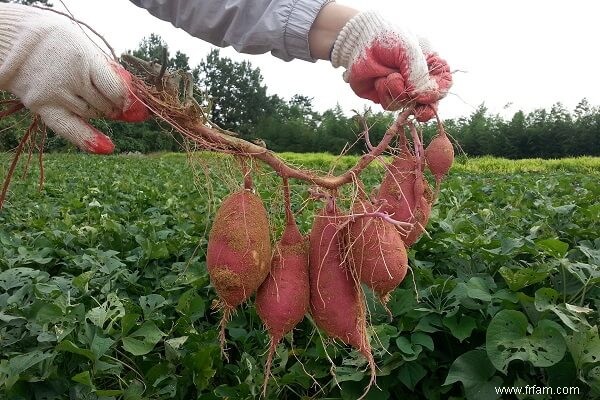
300 19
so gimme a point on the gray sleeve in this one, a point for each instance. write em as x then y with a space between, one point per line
249 26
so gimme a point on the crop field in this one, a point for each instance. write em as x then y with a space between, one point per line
104 292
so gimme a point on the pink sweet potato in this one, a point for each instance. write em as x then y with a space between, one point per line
239 251
439 155
405 192
377 252
283 298
336 301
397 189
421 213
239 247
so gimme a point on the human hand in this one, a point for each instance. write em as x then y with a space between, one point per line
391 66
57 72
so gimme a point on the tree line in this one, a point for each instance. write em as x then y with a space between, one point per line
237 98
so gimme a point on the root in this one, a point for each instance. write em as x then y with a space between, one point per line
414 282
25 139
227 314
41 159
15 106
373 372
289 216
272 347
188 118
384 300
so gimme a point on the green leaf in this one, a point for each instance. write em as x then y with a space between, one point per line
584 346
410 351
429 323
128 322
134 391
523 277
21 363
402 302
158 373
384 333
84 378
150 304
344 374
420 338
411 373
48 313
18 277
476 373
585 273
10 318
460 326
478 288
82 280
100 345
68 346
110 311
172 347
507 340
108 393
545 300
191 305
593 379
226 392
238 333
553 247
509 245
143 340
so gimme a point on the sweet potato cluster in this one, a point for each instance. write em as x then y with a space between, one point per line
321 273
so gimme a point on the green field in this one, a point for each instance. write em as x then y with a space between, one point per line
104 292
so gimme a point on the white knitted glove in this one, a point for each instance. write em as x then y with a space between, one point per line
391 66
48 62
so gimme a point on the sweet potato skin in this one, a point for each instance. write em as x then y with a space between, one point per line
283 298
422 213
335 301
239 249
439 155
397 189
377 252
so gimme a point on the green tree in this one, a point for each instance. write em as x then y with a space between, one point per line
476 133
153 48
180 62
515 136
238 96
335 132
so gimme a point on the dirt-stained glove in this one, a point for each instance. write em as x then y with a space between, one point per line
49 63
391 66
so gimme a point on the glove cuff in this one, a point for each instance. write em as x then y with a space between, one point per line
357 35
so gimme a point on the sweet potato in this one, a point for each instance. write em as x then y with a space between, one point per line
439 155
239 251
239 248
336 302
422 213
283 298
397 189
377 252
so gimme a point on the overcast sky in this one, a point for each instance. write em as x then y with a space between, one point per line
526 54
